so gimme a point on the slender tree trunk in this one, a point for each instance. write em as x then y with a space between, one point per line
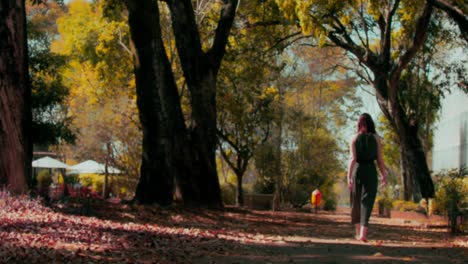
277 196
105 189
240 190
156 183
15 98
278 141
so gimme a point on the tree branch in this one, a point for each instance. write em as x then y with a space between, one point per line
387 35
123 44
187 37
364 22
455 13
216 53
227 140
367 78
420 35
279 41
366 56
226 158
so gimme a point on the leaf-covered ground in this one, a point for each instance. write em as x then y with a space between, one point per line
105 232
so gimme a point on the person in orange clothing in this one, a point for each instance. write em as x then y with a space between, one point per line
315 198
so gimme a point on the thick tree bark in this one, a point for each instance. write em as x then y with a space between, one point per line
200 71
417 163
15 98
204 139
416 177
156 183
170 150
415 171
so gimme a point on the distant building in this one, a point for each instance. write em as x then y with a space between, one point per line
451 133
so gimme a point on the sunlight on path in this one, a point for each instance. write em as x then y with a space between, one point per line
33 233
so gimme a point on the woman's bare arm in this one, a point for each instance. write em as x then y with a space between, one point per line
380 161
352 161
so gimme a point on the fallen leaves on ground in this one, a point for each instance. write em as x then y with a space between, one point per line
97 231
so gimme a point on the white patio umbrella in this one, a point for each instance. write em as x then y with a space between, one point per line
49 163
91 166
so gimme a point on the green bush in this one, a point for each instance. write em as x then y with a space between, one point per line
71 179
60 179
298 195
451 194
329 204
264 186
44 179
93 181
228 194
98 186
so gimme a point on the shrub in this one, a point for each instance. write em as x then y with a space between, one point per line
71 179
123 192
329 204
228 194
93 181
60 179
409 206
298 195
452 194
405 206
98 186
44 179
264 186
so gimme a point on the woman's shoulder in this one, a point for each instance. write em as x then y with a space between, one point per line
365 135
377 137
354 138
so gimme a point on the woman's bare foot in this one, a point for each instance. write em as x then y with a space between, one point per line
363 239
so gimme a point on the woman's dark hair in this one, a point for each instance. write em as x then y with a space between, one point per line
365 121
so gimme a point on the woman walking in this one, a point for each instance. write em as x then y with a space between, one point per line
365 148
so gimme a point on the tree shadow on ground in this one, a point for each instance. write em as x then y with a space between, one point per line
31 233
324 225
96 244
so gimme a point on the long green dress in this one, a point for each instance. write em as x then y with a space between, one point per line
365 182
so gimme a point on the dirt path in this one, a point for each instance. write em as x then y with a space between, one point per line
327 238
115 233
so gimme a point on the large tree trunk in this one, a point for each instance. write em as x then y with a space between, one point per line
170 150
156 183
416 177
200 71
416 165
204 138
15 97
